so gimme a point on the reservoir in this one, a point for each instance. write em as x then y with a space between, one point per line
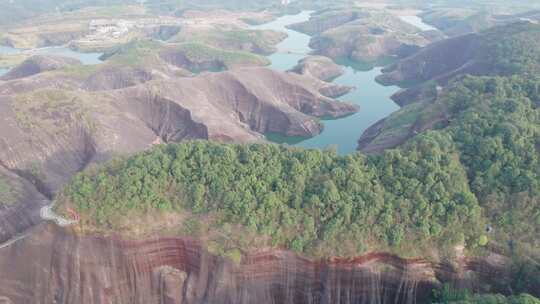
373 98
343 134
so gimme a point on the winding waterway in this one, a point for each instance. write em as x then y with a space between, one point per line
373 98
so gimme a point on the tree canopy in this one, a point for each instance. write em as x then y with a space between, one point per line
442 187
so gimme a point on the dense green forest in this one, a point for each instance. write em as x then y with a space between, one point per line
443 187
511 49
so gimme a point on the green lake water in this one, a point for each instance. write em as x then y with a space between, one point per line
343 134
373 98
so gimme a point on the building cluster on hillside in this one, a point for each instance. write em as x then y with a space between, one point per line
116 28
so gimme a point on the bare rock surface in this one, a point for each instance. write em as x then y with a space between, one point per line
439 61
320 67
38 64
364 36
57 123
61 265
19 205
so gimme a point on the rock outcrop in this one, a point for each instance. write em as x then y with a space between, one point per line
38 64
117 77
362 36
198 57
480 54
20 202
55 124
59 265
371 142
323 21
320 67
439 61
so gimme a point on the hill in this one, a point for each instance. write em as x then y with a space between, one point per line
441 188
361 35
505 50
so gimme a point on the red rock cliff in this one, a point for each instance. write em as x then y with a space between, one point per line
56 265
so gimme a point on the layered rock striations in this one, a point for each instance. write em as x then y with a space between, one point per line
89 269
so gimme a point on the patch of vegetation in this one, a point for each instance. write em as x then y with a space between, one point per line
6 192
11 60
257 41
310 201
512 49
406 116
200 53
355 34
81 71
439 189
134 53
497 130
52 109
362 65
451 295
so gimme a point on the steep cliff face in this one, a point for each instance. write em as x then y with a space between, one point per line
118 77
66 267
257 99
81 126
503 51
20 202
440 61
57 123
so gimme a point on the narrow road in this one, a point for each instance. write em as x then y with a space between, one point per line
47 214
13 240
